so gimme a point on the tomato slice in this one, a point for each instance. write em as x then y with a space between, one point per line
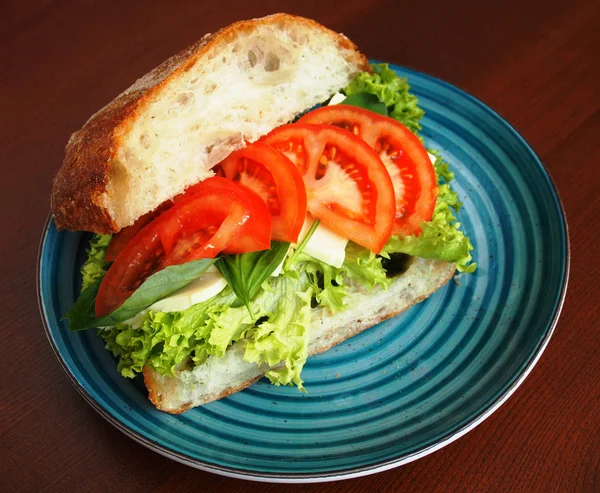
211 218
120 240
404 156
276 180
256 233
347 185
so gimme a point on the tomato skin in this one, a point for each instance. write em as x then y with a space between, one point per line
274 177
215 216
404 156
134 263
193 229
120 239
348 187
256 234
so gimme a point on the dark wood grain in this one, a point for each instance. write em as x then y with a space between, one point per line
536 62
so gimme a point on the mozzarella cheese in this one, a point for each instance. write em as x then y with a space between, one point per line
337 98
325 244
206 286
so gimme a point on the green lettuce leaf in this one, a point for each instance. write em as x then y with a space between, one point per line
95 266
277 335
441 237
165 340
330 283
283 338
391 90
364 267
326 282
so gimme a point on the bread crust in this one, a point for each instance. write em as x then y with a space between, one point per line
81 193
151 379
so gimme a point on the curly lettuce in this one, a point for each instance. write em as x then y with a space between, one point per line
279 334
391 90
165 340
284 336
95 265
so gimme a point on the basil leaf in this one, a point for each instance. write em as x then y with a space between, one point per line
246 272
156 287
82 312
366 101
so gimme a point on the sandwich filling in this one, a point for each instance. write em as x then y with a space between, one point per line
203 318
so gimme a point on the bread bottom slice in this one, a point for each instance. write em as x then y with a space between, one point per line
220 377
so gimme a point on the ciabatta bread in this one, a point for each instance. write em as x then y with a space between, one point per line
220 377
174 124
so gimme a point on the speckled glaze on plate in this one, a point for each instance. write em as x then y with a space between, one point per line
398 391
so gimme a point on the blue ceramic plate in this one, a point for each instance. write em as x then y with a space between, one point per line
399 390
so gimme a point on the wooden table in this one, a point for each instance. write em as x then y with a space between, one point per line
536 62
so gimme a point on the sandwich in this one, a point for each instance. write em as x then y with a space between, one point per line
256 199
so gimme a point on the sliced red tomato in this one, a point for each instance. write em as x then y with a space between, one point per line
213 217
276 180
347 185
120 240
404 156
256 234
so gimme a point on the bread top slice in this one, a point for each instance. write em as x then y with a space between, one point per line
174 124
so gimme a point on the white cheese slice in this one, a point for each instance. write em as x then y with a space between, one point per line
337 98
201 289
432 158
325 244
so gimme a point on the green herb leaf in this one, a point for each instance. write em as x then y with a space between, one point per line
159 285
82 312
246 272
305 240
366 101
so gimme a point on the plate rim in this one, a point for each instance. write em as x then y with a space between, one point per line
360 471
